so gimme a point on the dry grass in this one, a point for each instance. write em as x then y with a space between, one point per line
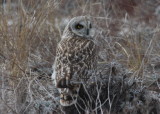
127 32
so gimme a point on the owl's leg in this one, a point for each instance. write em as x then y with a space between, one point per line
68 92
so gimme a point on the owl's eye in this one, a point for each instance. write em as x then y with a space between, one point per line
79 26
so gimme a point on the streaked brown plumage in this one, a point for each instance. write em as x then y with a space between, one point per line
75 59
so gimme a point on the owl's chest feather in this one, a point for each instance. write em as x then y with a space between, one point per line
75 49
75 57
75 44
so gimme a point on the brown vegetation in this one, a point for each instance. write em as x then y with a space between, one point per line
128 34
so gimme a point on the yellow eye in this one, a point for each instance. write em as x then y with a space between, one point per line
79 26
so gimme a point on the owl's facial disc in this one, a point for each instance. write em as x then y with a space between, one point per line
83 28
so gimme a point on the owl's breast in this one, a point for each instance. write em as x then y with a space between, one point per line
75 58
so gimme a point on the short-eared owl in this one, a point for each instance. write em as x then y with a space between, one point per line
75 59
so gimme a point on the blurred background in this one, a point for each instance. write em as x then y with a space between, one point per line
127 31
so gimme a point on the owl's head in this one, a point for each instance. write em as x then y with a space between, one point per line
79 26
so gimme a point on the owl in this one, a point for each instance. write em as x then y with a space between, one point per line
75 59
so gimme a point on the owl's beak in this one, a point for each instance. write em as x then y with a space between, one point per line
92 33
